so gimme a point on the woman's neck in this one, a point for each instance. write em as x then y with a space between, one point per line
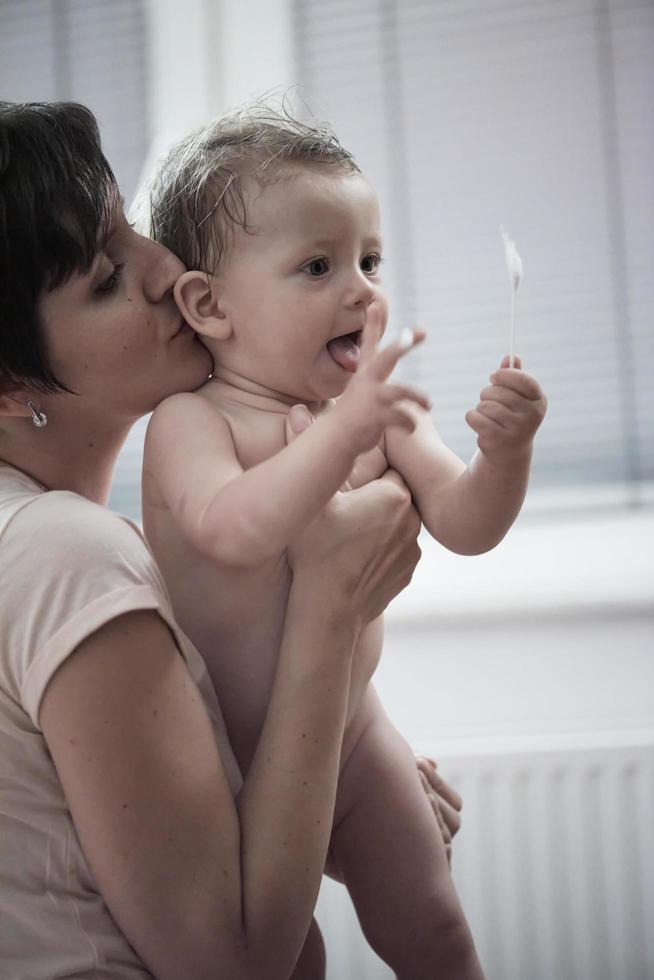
75 461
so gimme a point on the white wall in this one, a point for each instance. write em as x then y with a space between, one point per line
209 55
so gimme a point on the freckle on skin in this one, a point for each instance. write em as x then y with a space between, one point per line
73 741
124 806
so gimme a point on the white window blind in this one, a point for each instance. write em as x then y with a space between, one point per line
92 52
536 115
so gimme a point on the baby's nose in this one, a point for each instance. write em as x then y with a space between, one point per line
363 291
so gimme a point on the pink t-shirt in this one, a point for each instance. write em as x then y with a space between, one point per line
67 566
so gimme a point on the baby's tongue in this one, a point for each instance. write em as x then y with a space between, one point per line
345 352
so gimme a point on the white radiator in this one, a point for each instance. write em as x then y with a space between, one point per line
554 866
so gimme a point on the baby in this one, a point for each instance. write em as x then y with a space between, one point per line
280 232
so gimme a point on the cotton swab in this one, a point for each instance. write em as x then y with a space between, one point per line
514 266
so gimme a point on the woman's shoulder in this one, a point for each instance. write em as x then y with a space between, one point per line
59 547
76 526
67 567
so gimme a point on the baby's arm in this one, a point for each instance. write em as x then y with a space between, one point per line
470 509
242 518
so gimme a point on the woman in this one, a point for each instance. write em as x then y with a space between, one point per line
131 846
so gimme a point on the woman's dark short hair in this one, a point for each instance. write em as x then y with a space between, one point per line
57 202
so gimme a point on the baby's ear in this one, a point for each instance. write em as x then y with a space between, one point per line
199 304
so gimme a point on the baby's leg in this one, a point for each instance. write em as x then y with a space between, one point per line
311 964
392 858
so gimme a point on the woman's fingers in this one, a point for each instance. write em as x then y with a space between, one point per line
436 805
451 817
298 419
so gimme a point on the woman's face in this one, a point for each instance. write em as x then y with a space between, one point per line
115 336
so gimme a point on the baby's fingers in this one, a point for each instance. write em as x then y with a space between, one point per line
517 362
384 362
397 393
525 384
370 337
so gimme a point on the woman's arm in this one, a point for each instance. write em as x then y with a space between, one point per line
202 887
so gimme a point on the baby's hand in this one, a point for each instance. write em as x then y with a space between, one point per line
509 412
369 403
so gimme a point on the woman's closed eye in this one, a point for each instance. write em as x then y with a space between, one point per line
317 268
112 280
370 263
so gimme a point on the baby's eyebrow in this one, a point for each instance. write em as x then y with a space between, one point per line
373 241
321 242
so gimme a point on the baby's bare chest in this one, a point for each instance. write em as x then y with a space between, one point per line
257 437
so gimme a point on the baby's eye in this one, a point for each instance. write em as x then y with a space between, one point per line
112 280
317 267
370 263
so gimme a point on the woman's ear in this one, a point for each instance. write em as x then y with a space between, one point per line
14 404
196 295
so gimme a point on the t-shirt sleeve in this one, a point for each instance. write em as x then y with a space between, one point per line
68 566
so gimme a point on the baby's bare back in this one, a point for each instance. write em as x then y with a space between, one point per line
235 616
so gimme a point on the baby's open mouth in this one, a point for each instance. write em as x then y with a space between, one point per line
345 350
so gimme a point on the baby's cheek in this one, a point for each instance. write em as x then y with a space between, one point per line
379 308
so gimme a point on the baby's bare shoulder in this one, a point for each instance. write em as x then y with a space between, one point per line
185 415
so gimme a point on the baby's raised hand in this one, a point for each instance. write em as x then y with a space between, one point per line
370 403
509 412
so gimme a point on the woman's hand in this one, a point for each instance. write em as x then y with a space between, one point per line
445 801
362 549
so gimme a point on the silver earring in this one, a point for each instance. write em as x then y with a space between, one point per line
38 418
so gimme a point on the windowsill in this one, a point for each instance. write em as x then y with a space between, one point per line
593 562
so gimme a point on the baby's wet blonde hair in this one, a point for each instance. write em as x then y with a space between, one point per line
197 197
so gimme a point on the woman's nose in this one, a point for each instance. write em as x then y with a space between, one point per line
161 272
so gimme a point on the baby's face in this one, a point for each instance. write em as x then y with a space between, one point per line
305 275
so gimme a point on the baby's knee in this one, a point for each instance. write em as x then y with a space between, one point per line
453 945
437 945
312 963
